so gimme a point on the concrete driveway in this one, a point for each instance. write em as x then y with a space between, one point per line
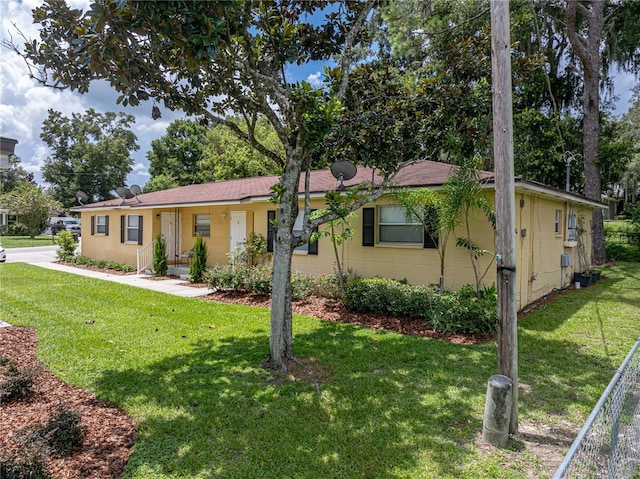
37 254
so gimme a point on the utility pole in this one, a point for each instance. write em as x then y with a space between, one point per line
505 200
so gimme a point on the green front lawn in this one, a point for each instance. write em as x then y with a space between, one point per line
26 242
370 403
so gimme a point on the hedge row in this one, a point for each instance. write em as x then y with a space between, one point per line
460 311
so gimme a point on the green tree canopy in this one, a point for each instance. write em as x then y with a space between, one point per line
215 58
179 152
159 183
14 176
90 152
31 205
228 157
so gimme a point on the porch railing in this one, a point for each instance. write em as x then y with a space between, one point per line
144 257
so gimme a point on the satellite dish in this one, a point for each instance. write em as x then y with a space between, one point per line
135 191
343 171
124 193
82 197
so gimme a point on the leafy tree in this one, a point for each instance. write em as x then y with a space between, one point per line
601 33
627 128
441 212
14 176
32 207
338 230
179 152
90 152
159 183
466 196
222 57
228 157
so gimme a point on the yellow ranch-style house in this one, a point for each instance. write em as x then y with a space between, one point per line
552 226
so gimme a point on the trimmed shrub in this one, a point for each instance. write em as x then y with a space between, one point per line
17 383
63 432
387 296
67 246
17 229
240 277
159 260
623 252
31 464
86 261
302 286
198 265
461 312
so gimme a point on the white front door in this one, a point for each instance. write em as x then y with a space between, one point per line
171 232
238 230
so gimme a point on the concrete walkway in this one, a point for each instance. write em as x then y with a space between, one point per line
177 287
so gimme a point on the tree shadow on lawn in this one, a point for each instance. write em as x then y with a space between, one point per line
367 403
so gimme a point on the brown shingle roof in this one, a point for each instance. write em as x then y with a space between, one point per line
424 173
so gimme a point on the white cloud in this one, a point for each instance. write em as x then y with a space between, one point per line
24 103
315 80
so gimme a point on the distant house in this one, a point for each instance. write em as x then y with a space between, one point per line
548 222
7 149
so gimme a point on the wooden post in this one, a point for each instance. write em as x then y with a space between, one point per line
505 200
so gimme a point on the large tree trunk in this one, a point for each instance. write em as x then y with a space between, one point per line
588 51
281 337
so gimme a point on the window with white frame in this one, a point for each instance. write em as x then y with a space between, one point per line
102 225
133 228
395 227
202 225
572 226
309 248
558 223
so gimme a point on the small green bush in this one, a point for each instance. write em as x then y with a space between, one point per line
255 250
67 246
17 383
387 296
198 265
86 261
30 464
623 252
464 311
240 277
328 285
302 286
159 260
259 280
63 432
17 229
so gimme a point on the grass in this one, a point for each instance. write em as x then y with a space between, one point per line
26 242
369 404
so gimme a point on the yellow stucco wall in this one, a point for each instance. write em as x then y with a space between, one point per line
539 248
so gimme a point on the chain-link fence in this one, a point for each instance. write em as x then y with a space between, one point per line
608 446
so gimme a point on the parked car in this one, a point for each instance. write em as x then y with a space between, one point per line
71 225
3 254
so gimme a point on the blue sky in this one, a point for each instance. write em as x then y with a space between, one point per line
24 103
